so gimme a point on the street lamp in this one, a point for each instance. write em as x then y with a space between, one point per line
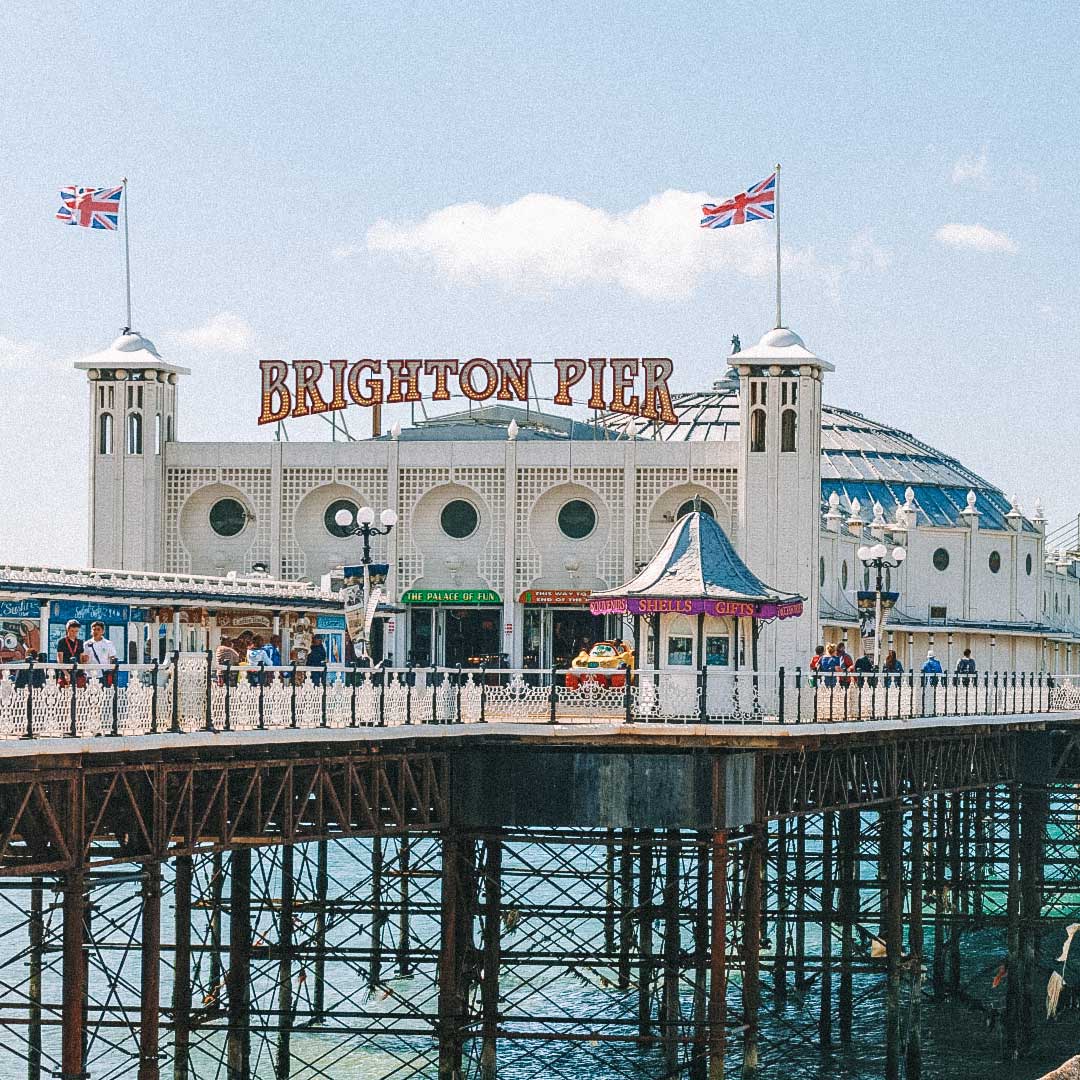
876 557
362 525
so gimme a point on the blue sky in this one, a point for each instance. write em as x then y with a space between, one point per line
337 179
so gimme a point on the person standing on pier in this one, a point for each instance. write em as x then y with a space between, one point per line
102 652
70 649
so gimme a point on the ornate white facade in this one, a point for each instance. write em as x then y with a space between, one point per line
791 496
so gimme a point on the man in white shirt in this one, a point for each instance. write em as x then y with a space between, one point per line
99 650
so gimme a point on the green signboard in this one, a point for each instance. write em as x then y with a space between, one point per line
451 596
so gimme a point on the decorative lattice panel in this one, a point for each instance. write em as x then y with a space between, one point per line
490 485
652 483
255 484
413 484
725 482
371 487
180 483
295 484
531 484
608 484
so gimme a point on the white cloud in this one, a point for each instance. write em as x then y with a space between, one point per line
543 241
28 356
865 254
978 237
969 169
224 332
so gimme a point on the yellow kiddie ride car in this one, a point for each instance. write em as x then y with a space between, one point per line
606 663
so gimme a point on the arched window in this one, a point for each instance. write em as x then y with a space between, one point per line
105 429
134 433
691 505
757 431
787 431
168 428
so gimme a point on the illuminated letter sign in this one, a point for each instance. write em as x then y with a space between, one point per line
637 386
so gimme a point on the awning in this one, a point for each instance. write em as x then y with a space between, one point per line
450 597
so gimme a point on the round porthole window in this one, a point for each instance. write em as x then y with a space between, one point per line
941 559
332 527
1027 565
577 519
228 517
995 562
459 519
688 507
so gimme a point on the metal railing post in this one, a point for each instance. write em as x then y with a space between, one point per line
209 725
154 698
410 678
703 705
29 733
322 703
434 696
780 697
176 693
292 697
262 706
798 694
628 696
352 693
457 718
382 698
483 694
74 685
554 695
228 695
115 697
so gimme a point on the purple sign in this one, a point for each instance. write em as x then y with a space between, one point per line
748 609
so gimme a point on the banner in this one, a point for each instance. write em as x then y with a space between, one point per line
744 609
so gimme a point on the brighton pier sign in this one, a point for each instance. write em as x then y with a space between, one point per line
308 387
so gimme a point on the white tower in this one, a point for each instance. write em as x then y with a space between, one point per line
780 483
132 418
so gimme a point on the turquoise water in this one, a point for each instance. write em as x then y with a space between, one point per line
552 900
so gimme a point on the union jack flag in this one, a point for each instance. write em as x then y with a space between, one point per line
757 203
93 208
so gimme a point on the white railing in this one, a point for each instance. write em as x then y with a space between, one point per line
190 692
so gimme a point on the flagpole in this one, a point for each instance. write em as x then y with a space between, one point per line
776 218
127 258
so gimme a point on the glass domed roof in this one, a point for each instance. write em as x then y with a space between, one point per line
860 458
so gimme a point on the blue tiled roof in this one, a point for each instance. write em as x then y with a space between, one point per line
935 504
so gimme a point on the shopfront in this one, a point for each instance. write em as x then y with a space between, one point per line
454 628
115 617
20 630
558 625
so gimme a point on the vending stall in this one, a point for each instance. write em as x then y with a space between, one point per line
697 611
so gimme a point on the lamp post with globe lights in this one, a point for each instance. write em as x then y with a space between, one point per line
363 525
877 557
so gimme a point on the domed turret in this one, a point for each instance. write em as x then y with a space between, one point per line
133 419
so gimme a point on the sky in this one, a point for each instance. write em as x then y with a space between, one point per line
353 180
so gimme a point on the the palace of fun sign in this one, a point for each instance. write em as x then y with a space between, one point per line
637 386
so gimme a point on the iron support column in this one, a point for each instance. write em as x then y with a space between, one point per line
181 993
718 956
892 834
150 958
238 980
915 944
489 990
285 951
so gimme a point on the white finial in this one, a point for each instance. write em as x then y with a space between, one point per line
1039 516
909 496
395 431
971 500
834 501
879 512
512 430
855 507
